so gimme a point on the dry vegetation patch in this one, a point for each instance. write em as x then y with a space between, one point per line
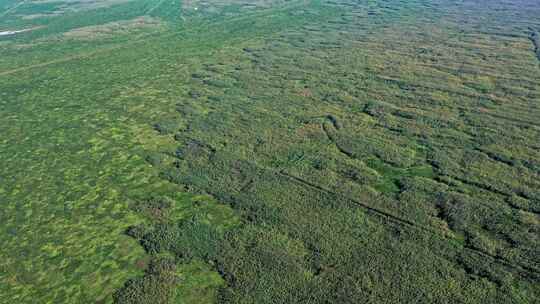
110 29
77 5
60 8
217 6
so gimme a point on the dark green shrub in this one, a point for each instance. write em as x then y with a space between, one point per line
187 240
155 208
155 159
137 231
157 286
197 240
162 266
167 127
160 239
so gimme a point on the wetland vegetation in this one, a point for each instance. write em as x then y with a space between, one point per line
235 151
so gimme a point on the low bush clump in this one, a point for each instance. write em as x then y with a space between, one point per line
157 285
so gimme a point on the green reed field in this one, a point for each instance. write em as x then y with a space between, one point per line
270 151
